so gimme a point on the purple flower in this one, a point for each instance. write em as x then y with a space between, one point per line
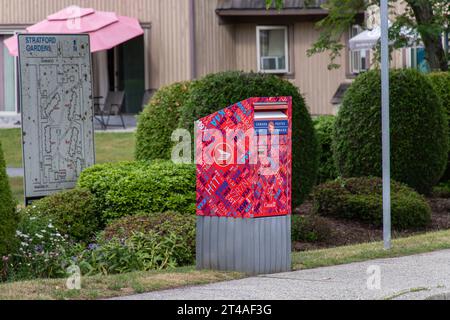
93 246
39 248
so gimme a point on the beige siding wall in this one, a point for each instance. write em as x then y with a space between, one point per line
215 46
168 38
246 58
310 74
218 47
316 82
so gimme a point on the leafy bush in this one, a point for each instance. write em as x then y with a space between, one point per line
442 190
139 252
158 120
43 251
217 91
8 216
72 212
324 126
162 224
419 141
361 199
441 84
311 228
126 188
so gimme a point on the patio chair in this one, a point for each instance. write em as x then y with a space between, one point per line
112 107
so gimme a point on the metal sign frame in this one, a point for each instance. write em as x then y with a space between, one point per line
58 139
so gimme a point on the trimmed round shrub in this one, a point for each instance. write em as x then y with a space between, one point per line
8 216
72 212
123 189
158 120
361 199
324 126
161 223
441 84
217 91
310 228
419 142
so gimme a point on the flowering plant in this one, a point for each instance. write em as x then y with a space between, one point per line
42 250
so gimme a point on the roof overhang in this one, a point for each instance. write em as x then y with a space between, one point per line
254 11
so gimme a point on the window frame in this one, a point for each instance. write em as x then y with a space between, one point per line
356 56
286 48
9 33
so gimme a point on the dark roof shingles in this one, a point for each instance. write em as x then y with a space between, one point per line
261 4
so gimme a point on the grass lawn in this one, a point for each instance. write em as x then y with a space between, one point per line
426 242
139 282
112 286
109 147
17 189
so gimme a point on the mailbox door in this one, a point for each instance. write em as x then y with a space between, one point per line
271 190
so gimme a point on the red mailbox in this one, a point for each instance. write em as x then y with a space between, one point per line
244 168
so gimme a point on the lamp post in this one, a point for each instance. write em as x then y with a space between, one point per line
385 124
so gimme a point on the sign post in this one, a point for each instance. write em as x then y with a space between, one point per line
55 88
385 124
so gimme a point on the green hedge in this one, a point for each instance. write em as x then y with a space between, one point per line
161 223
8 216
311 228
324 126
72 212
361 199
441 84
158 120
419 142
126 188
217 91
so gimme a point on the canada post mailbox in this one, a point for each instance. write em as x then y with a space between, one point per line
244 170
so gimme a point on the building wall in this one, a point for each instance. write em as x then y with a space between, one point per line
310 74
168 37
218 46
215 42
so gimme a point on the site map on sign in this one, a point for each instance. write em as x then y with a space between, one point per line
57 111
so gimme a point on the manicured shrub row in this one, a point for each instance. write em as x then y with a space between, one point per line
183 226
441 84
126 188
361 199
8 216
217 91
324 126
419 142
72 212
311 228
158 120
141 243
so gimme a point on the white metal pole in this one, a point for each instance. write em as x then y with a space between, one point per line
385 124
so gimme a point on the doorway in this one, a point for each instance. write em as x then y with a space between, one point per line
126 67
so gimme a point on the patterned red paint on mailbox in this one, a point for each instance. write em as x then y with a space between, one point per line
229 184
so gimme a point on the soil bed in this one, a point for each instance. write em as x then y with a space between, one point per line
347 232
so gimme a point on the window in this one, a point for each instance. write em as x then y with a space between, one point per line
359 59
272 47
7 79
416 59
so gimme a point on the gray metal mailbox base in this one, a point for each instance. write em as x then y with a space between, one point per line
253 246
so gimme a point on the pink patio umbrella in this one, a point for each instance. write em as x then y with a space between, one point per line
106 29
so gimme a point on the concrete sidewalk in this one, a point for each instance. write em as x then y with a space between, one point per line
414 277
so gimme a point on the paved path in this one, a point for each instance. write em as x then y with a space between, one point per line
413 277
14 172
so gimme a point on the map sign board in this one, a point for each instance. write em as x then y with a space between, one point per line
57 111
